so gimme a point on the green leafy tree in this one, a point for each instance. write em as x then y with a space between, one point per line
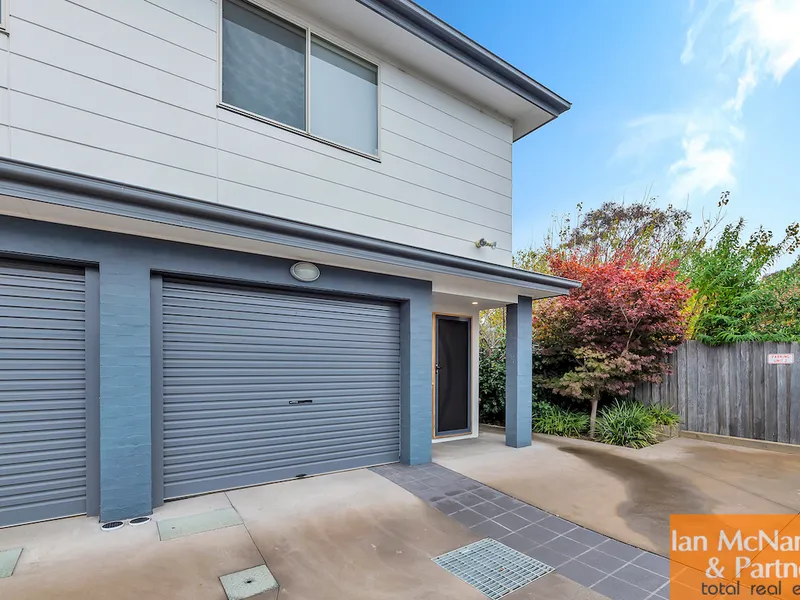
781 317
735 301
644 231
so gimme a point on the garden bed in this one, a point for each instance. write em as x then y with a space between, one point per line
622 423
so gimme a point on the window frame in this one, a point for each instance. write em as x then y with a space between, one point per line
4 15
310 30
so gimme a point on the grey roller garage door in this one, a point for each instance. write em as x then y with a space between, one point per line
260 385
42 392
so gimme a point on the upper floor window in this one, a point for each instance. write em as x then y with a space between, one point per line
277 70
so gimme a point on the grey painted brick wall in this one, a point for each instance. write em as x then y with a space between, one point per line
125 264
124 384
519 384
417 415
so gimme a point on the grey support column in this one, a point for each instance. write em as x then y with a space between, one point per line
416 412
518 373
125 425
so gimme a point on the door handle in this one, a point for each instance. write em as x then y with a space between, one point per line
437 367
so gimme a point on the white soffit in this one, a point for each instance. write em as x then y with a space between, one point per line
494 293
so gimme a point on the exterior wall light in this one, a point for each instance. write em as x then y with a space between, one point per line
482 243
305 271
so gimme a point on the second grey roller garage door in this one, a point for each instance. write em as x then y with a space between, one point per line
261 385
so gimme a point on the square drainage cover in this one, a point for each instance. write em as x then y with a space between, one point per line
257 581
492 568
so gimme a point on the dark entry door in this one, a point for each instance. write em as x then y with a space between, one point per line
452 375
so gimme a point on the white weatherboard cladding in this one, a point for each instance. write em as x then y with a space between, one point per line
127 90
267 385
42 393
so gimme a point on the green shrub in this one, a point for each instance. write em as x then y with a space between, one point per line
664 415
552 419
492 384
626 423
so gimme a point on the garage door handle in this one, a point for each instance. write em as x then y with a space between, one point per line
300 401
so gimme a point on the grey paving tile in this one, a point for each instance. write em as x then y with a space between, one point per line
537 534
449 475
620 550
653 562
547 556
616 589
452 491
432 481
414 486
472 485
663 592
487 493
448 506
431 466
508 502
566 546
490 529
581 573
385 468
585 536
488 509
601 560
556 524
531 513
641 577
468 499
512 521
517 542
430 495
453 484
468 517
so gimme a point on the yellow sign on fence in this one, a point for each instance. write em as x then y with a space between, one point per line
738 556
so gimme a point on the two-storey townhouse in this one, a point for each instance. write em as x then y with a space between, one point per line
243 241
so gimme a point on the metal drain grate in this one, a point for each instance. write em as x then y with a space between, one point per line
492 568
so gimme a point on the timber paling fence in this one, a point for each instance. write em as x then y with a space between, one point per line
732 390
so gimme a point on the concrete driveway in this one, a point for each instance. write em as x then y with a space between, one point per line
348 535
629 494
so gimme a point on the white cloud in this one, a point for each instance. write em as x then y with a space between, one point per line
706 139
767 34
702 168
746 83
771 30
645 134
750 42
696 28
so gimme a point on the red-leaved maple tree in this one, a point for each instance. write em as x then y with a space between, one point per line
612 332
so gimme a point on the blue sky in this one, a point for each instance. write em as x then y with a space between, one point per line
685 97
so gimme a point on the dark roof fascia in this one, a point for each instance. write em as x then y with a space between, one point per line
43 184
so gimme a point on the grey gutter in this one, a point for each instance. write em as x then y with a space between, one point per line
80 191
426 26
